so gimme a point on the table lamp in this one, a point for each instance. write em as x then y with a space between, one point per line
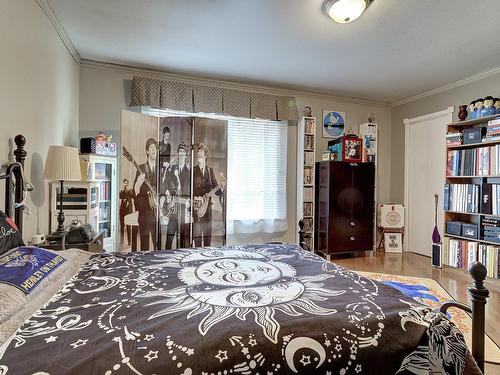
62 164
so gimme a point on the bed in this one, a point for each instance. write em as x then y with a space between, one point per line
266 309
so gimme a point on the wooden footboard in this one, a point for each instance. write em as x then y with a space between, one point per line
478 295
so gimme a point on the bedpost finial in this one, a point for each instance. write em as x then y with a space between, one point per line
301 224
20 141
478 272
20 153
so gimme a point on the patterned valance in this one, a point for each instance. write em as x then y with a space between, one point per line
150 92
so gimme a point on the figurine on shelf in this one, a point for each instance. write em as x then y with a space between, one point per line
100 136
479 107
496 105
472 110
307 111
371 117
488 109
462 113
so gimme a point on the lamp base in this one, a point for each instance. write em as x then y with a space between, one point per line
56 235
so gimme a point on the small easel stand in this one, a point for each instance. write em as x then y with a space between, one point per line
391 227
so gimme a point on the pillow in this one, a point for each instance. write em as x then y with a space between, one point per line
26 267
16 306
10 236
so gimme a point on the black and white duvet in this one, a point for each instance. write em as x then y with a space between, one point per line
267 309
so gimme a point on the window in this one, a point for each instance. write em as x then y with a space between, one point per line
257 164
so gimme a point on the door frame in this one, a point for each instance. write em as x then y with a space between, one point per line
446 114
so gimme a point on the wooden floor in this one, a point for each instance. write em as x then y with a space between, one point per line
453 280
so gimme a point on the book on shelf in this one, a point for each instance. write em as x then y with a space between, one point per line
480 161
454 139
461 198
490 199
462 253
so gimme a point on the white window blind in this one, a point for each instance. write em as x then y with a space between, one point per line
256 185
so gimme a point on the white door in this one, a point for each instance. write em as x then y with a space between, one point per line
425 165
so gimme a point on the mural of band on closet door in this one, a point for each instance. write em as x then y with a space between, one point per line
173 182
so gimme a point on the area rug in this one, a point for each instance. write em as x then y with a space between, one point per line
432 294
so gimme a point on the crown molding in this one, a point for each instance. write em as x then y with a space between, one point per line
221 83
450 86
47 9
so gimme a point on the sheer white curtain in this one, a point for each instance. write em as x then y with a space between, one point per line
256 184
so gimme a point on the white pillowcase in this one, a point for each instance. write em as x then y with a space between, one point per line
16 306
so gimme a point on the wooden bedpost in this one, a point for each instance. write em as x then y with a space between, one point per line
478 294
20 153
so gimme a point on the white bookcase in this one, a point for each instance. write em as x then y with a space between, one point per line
102 170
306 158
80 202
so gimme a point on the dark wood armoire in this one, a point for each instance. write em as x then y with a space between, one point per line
345 207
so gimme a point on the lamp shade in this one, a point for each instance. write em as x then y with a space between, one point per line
62 164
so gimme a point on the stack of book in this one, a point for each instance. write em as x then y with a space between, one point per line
460 253
461 198
490 229
481 161
454 139
488 255
492 131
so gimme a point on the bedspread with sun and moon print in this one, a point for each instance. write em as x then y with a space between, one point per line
266 309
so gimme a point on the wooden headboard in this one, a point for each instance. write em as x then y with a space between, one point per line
14 184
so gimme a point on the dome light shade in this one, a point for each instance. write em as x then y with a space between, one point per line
345 11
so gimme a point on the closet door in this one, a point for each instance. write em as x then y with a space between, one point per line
209 182
175 165
138 212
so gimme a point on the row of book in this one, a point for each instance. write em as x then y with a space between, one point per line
481 161
493 131
472 198
461 254
461 198
104 191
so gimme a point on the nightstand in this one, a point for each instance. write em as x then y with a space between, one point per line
95 245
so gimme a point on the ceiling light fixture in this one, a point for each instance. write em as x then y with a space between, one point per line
345 11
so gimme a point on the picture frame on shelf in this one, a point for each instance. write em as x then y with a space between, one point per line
352 149
308 225
308 209
309 142
309 126
308 175
333 123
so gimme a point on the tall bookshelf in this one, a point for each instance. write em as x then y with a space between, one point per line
474 167
306 147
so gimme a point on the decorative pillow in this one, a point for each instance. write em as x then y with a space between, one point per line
26 267
17 306
10 236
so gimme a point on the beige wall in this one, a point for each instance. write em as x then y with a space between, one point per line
454 97
105 91
38 96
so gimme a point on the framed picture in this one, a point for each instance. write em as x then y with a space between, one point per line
393 242
308 209
308 176
351 149
333 123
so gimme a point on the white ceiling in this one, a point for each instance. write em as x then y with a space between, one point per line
397 49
